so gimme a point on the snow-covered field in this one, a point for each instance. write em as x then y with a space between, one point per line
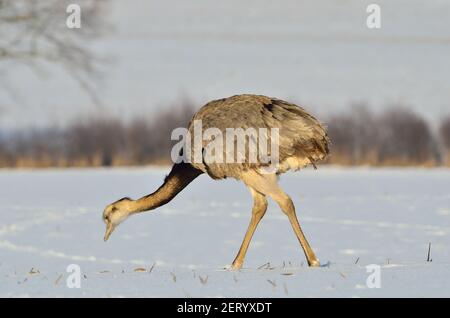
352 217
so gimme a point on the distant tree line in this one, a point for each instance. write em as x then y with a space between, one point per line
396 136
96 141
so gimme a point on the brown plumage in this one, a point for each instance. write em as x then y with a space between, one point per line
302 141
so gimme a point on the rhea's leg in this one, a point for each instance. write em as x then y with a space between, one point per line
287 206
268 185
259 209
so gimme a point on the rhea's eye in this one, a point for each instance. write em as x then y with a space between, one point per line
114 209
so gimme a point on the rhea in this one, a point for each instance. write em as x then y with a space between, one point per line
302 141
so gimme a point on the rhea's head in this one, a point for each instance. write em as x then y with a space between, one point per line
114 214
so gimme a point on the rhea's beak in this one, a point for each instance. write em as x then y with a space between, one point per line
109 229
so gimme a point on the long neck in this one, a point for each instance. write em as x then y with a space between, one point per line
179 177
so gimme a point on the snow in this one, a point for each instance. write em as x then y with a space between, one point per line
50 219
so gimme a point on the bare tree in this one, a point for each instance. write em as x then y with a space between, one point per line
110 141
353 135
444 132
404 138
149 138
340 128
97 141
34 32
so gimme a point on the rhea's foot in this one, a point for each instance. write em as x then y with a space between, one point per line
314 263
236 266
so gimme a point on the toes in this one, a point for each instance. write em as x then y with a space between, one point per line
236 266
314 263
